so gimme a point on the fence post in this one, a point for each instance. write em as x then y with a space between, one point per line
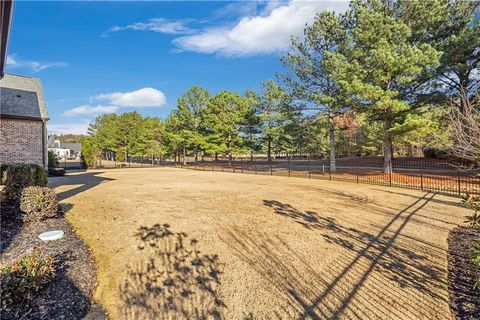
309 171
421 175
288 160
329 172
356 169
390 175
458 182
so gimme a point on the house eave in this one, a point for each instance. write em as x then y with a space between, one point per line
6 16
8 116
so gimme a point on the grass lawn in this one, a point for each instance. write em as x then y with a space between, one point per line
264 247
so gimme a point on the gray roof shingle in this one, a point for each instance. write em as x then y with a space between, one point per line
77 147
19 103
22 97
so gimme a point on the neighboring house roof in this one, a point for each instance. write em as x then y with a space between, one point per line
22 97
76 147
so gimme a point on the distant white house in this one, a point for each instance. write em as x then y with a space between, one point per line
70 151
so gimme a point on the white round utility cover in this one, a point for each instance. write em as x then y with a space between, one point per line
51 235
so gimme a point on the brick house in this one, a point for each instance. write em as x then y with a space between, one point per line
23 121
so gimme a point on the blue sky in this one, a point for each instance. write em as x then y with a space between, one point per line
97 57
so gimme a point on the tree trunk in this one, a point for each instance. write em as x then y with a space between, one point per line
229 159
387 142
216 156
196 155
251 155
269 149
184 157
333 164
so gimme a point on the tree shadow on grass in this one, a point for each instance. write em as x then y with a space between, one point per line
83 181
175 281
347 286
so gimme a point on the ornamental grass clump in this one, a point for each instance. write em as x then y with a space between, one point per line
38 203
472 202
22 279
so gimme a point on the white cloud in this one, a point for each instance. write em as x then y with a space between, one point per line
90 110
145 97
35 66
160 25
260 34
69 128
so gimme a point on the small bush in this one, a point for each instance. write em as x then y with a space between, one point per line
472 202
56 171
16 177
475 258
52 159
22 279
39 203
435 153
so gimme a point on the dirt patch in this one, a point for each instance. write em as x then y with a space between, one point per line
68 296
285 248
465 300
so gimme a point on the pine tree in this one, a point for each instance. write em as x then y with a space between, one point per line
311 81
379 60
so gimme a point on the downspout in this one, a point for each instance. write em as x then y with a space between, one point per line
44 128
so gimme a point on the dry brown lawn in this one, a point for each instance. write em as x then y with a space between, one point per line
263 247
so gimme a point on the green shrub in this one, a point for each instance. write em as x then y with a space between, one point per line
22 279
52 159
475 258
433 152
472 202
39 203
15 177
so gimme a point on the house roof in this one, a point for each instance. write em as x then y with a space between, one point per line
6 13
22 97
77 147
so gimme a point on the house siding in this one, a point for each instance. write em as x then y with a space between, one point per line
22 141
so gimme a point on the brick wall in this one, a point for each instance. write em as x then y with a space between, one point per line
21 141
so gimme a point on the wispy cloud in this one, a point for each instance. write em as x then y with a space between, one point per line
90 110
267 32
14 62
79 127
159 25
145 97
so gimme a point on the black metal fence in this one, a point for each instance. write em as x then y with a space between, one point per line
411 173
419 175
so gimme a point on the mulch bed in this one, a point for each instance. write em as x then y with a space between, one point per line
465 301
68 296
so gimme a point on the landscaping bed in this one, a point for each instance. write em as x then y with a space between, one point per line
68 295
465 301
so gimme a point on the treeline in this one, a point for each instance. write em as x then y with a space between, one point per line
383 78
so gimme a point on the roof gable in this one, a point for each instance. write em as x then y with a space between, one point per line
19 103
22 97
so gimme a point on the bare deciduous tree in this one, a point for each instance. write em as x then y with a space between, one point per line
466 131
